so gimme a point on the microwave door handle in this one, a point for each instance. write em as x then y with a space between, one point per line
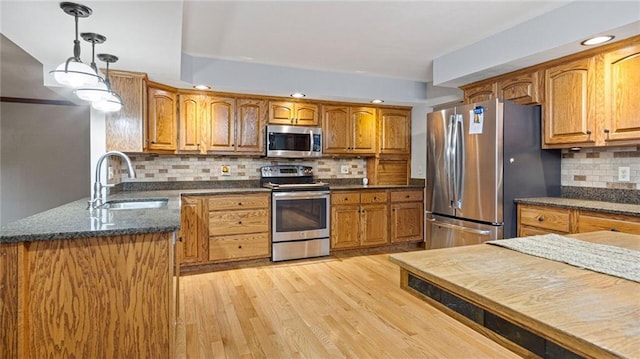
311 141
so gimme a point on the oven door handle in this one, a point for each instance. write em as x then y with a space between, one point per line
301 195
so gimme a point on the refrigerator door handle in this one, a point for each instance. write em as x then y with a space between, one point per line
449 158
458 161
460 228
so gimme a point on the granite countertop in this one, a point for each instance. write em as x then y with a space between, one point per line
598 206
359 186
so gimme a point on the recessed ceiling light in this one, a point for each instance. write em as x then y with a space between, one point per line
597 40
202 87
377 101
298 95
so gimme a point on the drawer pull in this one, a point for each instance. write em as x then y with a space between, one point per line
615 230
239 203
375 198
239 247
239 222
407 196
540 218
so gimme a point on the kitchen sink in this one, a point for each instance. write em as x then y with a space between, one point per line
136 204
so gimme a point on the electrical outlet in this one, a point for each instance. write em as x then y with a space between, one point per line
225 170
420 171
624 174
344 169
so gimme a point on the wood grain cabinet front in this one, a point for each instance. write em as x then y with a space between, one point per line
9 300
544 219
162 131
395 131
349 130
125 129
407 215
195 246
239 227
293 113
359 219
593 221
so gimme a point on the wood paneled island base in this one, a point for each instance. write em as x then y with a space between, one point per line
534 306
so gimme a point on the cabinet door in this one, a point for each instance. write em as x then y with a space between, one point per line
521 89
336 129
306 114
124 129
395 131
194 243
281 112
220 124
250 123
9 300
192 112
622 91
594 221
407 221
363 124
569 113
374 224
480 93
162 125
345 227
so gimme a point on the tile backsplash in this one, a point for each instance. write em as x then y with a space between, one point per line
598 167
166 168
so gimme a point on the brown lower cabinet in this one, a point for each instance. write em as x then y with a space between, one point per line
100 297
537 219
369 217
225 228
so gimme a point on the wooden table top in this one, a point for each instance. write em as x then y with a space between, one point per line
593 314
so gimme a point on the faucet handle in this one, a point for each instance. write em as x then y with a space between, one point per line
108 185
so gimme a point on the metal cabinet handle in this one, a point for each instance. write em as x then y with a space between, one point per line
606 130
615 230
540 218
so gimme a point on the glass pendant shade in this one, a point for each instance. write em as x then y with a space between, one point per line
111 104
96 93
76 75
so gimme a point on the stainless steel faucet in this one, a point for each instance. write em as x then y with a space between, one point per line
96 198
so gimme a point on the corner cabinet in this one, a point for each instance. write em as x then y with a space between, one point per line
293 113
349 130
125 129
622 94
570 108
162 129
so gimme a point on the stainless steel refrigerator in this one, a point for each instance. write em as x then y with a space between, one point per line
479 158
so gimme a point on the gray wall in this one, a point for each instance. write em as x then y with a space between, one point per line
44 157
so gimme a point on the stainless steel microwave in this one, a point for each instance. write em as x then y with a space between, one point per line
294 141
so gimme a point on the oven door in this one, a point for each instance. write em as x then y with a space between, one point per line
300 215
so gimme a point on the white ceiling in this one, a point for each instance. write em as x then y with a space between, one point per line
389 39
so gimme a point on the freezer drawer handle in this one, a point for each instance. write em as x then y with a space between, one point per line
460 228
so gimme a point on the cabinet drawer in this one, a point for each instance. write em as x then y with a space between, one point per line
237 222
556 219
345 197
373 197
526 231
406 196
239 201
589 222
239 246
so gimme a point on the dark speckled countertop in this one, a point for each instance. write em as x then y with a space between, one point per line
598 206
74 220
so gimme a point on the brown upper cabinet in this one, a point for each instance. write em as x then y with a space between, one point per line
191 122
293 113
569 112
349 130
161 121
395 131
622 94
522 89
480 92
220 124
125 129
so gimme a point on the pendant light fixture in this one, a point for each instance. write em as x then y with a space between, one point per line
113 102
99 91
73 72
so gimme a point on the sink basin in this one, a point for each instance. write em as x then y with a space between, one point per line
136 203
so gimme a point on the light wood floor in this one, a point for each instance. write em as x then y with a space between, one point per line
348 307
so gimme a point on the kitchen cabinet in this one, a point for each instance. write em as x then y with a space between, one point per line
293 113
9 300
395 131
239 227
96 297
195 246
388 170
251 119
162 129
538 219
479 93
621 93
407 215
192 112
359 219
522 89
220 124
124 129
570 107
349 130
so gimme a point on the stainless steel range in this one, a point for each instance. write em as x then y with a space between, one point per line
300 209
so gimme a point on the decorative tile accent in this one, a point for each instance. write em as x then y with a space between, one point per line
598 167
208 168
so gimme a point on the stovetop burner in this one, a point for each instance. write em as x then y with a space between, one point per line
290 178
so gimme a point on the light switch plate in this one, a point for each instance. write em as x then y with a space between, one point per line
344 169
225 170
624 174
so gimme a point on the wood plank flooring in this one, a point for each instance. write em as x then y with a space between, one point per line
334 307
